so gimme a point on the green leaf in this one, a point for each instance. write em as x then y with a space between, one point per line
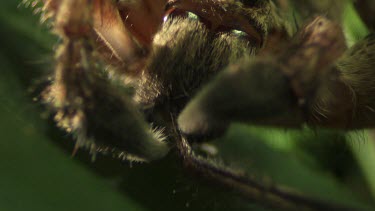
38 173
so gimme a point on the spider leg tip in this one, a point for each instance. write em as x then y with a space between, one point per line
198 125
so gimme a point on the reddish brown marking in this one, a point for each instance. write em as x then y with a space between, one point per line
111 29
143 19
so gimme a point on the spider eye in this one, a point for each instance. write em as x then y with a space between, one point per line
244 30
192 16
175 12
241 34
234 24
181 13
237 33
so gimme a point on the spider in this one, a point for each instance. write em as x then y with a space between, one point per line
137 78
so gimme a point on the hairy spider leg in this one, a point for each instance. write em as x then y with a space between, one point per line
101 116
311 82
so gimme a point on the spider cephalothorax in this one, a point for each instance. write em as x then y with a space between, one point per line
191 67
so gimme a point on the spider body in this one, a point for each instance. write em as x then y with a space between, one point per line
191 67
165 72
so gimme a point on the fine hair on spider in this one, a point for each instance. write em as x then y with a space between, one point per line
137 78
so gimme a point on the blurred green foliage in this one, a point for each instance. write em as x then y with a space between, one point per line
37 171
